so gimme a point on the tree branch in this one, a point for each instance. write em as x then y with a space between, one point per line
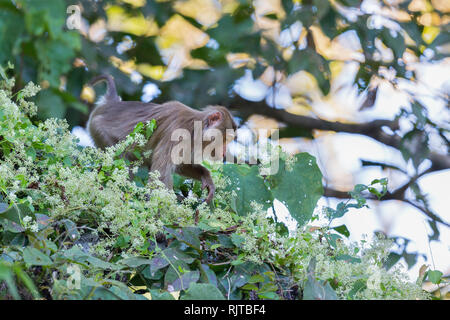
332 193
371 129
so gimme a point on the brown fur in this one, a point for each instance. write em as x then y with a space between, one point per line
113 120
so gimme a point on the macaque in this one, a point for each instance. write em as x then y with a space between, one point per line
112 120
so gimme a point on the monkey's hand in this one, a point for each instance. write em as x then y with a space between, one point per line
209 184
200 173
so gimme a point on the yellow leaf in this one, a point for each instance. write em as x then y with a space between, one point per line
441 5
229 6
179 31
125 66
119 20
300 108
207 16
155 72
257 122
429 34
336 68
238 60
88 94
301 82
430 19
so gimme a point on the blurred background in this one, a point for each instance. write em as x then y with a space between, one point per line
362 85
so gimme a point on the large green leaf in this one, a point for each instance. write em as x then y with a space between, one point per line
50 105
298 186
248 186
55 56
35 257
11 29
44 15
11 218
315 290
183 282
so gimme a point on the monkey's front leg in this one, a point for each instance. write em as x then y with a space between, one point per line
200 173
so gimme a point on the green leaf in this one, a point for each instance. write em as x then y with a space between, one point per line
237 239
414 31
35 257
328 23
314 290
348 258
342 229
350 3
11 27
122 241
298 186
188 235
54 56
420 112
72 230
395 42
435 276
186 280
208 275
158 295
157 263
250 286
44 15
235 35
135 262
30 152
98 263
256 278
248 186
50 105
3 207
359 285
11 218
272 16
6 274
269 295
202 291
320 8
332 238
175 255
415 147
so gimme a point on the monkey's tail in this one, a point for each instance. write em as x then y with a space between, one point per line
111 92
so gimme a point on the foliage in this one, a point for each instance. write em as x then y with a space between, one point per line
139 42
74 226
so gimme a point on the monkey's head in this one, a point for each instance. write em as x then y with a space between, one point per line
219 118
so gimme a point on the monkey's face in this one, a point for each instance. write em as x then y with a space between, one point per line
220 125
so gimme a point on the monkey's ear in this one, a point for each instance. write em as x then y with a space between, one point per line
214 118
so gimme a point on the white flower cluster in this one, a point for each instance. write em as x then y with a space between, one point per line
28 224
